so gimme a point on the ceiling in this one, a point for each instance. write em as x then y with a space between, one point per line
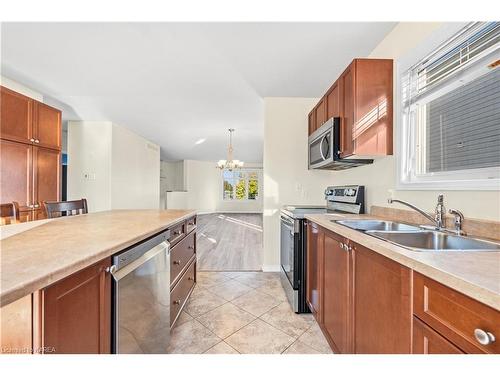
177 83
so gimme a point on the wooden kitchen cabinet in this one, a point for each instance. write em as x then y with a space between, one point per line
46 180
363 99
382 304
455 316
314 273
76 312
337 293
16 114
428 341
47 126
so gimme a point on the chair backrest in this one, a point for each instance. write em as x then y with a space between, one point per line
9 212
69 208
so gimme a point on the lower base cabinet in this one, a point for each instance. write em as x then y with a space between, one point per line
428 341
76 312
382 304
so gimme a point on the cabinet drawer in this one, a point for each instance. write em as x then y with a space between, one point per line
181 292
428 341
190 224
177 232
454 315
180 256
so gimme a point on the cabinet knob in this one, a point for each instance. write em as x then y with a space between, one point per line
176 233
37 141
177 262
342 246
190 278
483 337
32 140
36 205
191 247
177 302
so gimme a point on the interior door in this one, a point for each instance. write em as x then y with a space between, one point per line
47 171
16 183
336 292
47 126
15 116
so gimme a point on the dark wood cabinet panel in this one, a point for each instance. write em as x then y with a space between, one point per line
180 256
333 101
182 290
382 304
15 116
16 183
347 111
47 126
76 312
46 176
321 113
312 121
314 264
428 341
336 293
454 315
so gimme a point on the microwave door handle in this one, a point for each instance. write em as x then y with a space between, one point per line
321 147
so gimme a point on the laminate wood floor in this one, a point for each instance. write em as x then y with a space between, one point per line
229 242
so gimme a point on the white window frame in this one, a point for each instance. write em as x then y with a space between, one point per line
407 158
246 200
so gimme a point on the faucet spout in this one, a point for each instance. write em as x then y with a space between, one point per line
423 213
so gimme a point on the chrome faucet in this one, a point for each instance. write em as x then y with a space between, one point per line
439 219
459 219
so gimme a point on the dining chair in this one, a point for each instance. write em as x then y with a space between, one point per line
9 213
67 208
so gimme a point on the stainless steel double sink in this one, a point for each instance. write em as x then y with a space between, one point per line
418 239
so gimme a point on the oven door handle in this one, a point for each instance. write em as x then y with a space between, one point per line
119 274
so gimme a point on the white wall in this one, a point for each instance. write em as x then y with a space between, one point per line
135 171
112 167
204 190
285 164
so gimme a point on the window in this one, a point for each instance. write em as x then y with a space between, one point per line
240 185
450 130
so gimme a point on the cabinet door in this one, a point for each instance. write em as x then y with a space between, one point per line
428 341
382 304
321 113
47 171
314 261
47 126
312 122
15 116
333 101
17 179
77 314
348 105
336 292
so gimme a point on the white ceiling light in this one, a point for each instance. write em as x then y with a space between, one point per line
230 163
200 141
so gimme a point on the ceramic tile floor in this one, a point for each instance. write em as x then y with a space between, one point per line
244 313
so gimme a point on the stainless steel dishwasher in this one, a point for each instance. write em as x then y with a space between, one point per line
141 297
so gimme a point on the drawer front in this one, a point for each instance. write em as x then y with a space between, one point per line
180 293
180 256
190 224
177 233
428 341
455 316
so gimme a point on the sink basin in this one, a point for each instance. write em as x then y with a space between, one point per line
431 240
379 225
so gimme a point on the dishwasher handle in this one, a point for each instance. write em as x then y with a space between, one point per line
119 274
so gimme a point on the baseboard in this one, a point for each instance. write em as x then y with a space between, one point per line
271 268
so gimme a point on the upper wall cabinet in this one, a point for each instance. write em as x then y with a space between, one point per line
28 121
362 98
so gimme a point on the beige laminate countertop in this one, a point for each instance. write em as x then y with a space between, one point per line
35 255
475 274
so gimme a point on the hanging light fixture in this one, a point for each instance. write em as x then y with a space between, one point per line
230 164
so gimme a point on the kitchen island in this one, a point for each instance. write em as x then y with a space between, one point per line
72 253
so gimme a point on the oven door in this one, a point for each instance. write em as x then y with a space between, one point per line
289 239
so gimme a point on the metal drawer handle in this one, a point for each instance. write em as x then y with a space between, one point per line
483 337
177 302
177 262
191 247
177 233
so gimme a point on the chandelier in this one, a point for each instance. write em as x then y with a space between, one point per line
230 164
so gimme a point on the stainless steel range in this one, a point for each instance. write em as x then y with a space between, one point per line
340 199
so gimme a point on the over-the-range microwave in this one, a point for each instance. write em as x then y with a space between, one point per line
324 148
